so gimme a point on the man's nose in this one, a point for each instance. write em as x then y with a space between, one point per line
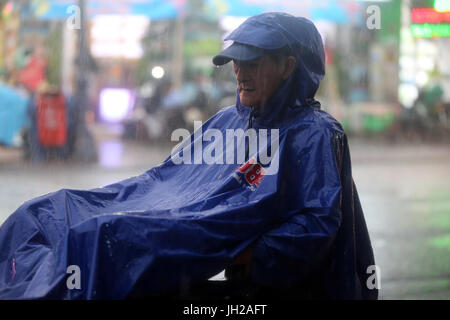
241 73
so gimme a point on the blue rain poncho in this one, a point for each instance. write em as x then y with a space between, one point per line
290 196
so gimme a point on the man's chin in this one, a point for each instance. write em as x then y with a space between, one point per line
248 102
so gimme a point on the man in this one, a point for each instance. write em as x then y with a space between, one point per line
288 225
278 61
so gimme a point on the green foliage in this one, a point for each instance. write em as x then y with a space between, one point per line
205 47
53 44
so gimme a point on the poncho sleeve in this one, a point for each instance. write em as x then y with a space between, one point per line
291 252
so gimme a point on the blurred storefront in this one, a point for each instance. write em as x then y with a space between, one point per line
34 60
114 33
361 41
380 54
31 48
425 50
425 61
9 30
372 102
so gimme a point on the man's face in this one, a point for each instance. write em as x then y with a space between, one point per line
257 80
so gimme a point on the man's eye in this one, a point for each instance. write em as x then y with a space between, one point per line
251 66
246 65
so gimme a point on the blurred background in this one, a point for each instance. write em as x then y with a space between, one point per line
90 92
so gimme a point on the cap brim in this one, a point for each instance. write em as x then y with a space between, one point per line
238 51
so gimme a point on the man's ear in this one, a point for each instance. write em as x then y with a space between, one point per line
289 66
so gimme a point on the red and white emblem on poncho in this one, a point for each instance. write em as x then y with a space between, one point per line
253 172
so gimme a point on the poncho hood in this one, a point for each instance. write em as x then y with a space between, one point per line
275 30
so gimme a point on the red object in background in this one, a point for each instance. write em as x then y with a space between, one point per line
51 120
428 15
33 74
329 56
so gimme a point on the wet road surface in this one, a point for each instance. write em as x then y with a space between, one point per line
405 194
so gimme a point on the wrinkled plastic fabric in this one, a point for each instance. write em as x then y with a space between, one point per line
178 224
